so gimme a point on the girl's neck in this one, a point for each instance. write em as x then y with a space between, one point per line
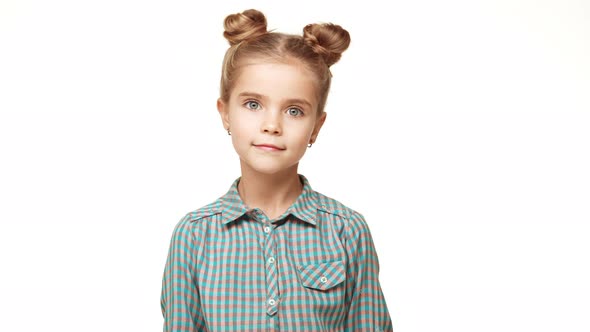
271 193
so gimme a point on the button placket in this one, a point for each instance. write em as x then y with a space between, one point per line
272 288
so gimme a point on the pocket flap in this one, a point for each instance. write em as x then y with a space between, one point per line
322 276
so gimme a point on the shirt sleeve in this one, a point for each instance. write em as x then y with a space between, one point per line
367 308
180 301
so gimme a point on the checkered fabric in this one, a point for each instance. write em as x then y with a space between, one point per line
314 268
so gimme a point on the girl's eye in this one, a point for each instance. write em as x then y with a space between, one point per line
294 111
252 105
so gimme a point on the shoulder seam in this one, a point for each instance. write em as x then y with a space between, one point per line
202 213
336 207
203 216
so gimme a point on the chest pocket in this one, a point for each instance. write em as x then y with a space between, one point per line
322 276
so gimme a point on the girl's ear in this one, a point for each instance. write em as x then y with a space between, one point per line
319 122
223 112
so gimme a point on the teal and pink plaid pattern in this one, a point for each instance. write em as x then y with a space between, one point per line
230 268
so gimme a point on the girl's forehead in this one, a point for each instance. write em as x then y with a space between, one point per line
277 77
286 61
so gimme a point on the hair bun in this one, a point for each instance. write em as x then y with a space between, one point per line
243 26
327 39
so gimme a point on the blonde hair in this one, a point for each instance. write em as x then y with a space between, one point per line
320 46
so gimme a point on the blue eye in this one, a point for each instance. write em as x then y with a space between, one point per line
294 111
252 105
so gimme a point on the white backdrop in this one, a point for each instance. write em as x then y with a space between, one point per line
460 129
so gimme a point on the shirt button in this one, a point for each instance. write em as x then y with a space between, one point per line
271 302
271 260
266 229
323 280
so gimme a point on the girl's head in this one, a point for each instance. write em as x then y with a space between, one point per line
273 89
320 46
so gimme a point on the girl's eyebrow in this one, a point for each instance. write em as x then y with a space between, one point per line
251 94
261 97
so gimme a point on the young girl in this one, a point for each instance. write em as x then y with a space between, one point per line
272 253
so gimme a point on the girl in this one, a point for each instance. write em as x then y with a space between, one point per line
272 253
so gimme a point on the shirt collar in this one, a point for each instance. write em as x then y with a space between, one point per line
305 207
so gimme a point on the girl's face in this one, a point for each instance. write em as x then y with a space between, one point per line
272 115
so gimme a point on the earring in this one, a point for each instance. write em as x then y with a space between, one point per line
229 132
309 145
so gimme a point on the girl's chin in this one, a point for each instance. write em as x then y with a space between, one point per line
268 168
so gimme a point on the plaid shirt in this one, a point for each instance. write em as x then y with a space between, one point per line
314 268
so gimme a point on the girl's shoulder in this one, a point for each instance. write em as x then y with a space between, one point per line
201 213
331 205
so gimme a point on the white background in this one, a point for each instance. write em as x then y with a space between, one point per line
460 129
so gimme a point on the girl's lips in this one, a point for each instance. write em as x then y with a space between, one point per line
268 147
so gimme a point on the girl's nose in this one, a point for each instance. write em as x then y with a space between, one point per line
272 123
